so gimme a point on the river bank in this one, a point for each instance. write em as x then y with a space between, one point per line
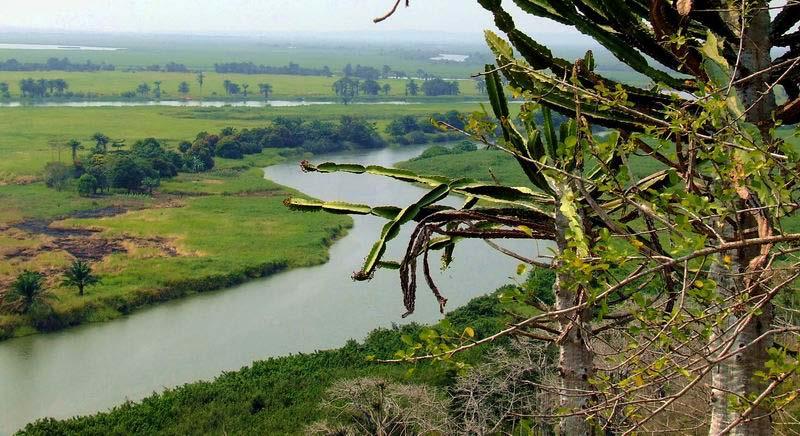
198 337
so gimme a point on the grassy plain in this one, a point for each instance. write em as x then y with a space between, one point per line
200 232
111 84
33 136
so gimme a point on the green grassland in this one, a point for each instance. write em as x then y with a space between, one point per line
33 136
199 232
111 84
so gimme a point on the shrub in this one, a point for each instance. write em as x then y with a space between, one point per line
57 175
464 147
87 185
436 150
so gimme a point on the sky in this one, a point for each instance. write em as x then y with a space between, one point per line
253 16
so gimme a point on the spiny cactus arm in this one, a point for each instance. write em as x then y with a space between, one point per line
526 152
785 20
606 36
517 196
344 208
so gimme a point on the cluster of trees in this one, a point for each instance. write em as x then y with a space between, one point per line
438 86
170 67
251 68
144 90
285 132
41 88
108 166
54 64
363 72
412 130
348 88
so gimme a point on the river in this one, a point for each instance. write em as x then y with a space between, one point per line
188 103
94 367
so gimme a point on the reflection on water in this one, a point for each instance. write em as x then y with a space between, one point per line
94 367
55 47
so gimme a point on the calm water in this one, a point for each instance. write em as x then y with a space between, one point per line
186 103
95 367
55 47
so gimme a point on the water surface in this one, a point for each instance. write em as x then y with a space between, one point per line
4 46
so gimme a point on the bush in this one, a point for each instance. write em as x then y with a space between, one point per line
57 175
417 137
465 147
228 148
87 185
436 150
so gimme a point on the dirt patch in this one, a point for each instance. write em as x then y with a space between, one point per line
43 227
99 213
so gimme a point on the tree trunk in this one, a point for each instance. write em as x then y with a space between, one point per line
735 377
576 360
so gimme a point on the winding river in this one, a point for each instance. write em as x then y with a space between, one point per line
94 367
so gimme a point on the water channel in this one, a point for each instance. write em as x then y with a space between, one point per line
94 367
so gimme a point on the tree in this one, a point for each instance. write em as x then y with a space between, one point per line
201 78
183 88
386 88
386 71
101 142
157 89
4 91
149 184
265 89
371 87
346 89
227 85
87 185
412 88
480 85
26 292
143 90
79 275
127 173
56 175
710 142
245 86
74 145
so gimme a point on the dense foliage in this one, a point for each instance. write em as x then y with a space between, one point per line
54 64
41 88
292 69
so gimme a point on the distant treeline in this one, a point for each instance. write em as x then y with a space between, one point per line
251 68
54 64
170 67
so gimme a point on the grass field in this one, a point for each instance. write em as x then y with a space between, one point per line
111 84
31 136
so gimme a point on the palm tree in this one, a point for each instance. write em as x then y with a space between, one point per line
266 90
27 291
244 87
74 145
157 88
227 84
102 141
201 78
79 275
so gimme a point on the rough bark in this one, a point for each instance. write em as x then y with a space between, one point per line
735 377
575 364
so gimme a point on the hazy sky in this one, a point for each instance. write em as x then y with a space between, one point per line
243 16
